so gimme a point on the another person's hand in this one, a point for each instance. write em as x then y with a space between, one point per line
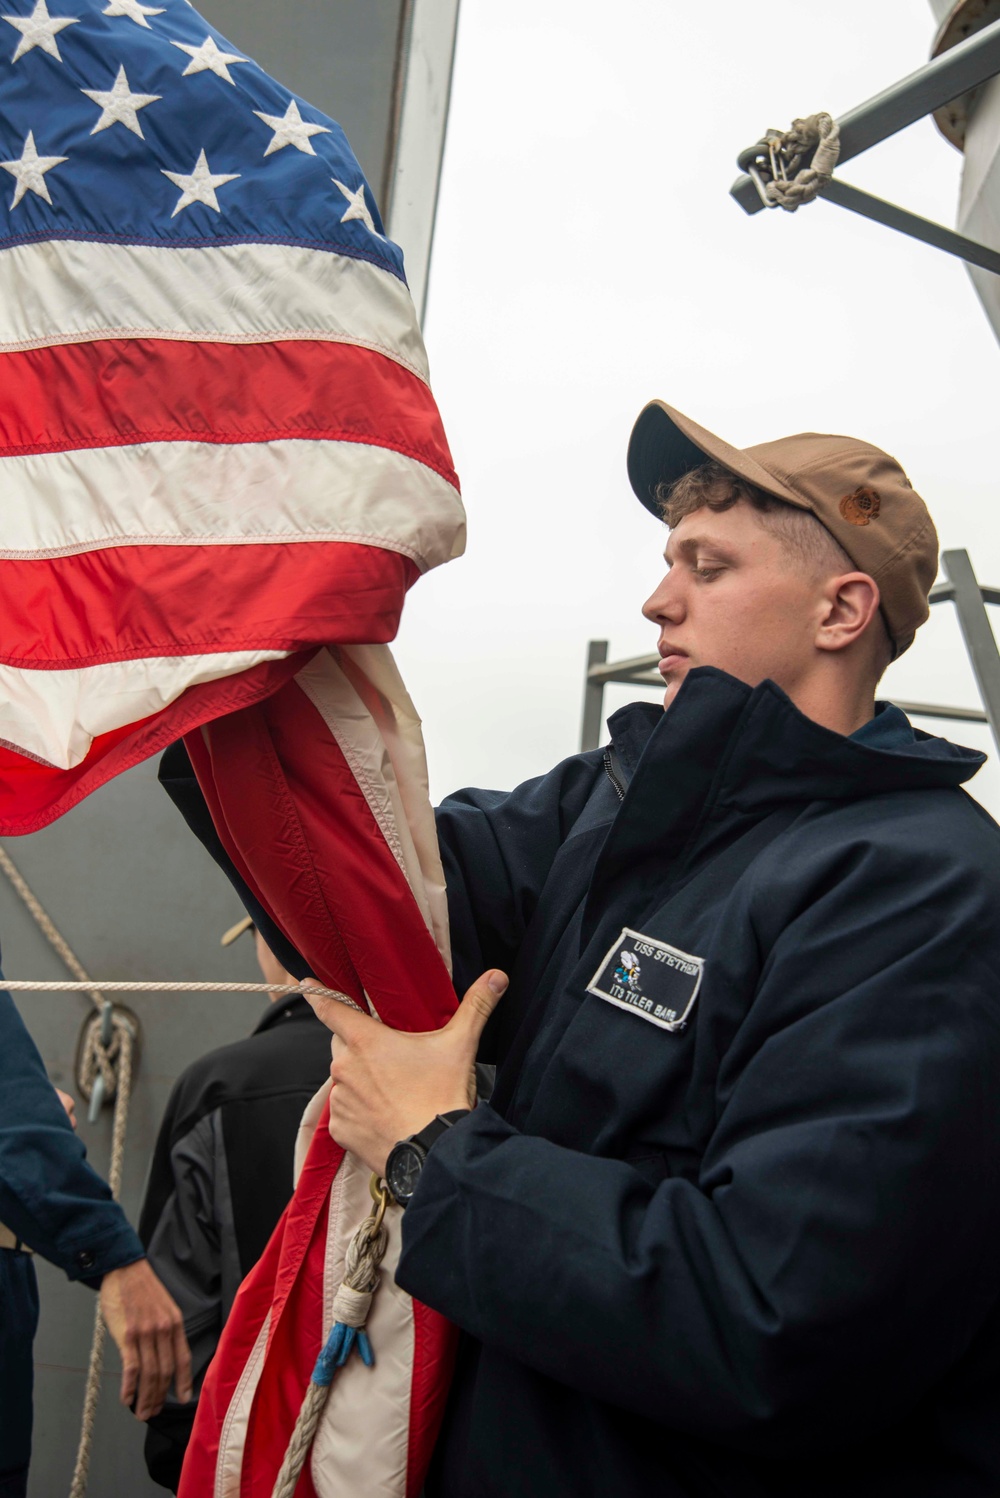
389 1084
68 1104
148 1330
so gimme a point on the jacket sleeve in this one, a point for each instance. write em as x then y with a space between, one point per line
188 1232
49 1196
187 1226
497 848
837 1253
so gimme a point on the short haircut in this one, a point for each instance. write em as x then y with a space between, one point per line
713 487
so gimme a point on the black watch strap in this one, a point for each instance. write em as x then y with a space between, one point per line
437 1126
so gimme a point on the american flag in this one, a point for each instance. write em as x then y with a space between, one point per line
222 468
218 445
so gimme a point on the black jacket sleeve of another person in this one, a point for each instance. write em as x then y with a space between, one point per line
49 1196
798 1287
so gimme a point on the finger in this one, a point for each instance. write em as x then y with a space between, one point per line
350 1024
130 1372
164 1338
150 1397
182 1365
478 1004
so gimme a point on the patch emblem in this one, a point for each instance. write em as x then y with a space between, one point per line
861 507
657 982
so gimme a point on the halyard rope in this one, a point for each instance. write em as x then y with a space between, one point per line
28 985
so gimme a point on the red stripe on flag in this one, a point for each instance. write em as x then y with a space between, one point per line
286 1281
32 795
287 803
131 602
120 392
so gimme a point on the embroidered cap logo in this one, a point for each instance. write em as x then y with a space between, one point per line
861 507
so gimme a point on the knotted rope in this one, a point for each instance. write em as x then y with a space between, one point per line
799 162
351 1304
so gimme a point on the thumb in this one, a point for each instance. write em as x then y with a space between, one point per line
479 1003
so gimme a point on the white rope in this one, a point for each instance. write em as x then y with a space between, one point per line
29 985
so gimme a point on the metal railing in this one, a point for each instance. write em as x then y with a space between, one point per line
961 588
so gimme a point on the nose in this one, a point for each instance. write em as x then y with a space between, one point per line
664 604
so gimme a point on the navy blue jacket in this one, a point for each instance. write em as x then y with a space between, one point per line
49 1196
731 1224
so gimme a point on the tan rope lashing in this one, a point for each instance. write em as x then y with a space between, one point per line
95 1365
814 141
48 927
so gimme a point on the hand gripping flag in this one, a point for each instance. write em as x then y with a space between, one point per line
222 468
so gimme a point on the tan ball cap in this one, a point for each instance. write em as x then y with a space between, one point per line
858 492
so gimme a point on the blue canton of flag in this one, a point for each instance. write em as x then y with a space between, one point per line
143 124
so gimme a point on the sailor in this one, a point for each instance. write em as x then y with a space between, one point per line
221 1176
54 1204
732 1227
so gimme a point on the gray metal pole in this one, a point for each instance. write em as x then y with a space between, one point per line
593 697
977 632
894 217
944 78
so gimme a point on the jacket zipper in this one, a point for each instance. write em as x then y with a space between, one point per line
609 770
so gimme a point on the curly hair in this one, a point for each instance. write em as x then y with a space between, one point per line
712 486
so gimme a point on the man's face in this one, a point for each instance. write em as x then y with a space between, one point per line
734 597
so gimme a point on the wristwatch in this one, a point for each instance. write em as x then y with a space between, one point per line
406 1159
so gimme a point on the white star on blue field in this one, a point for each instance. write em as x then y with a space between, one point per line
141 124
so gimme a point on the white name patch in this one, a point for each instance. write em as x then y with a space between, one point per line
657 982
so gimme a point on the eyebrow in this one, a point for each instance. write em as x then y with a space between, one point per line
689 546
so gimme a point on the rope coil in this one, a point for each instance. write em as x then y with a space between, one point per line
793 166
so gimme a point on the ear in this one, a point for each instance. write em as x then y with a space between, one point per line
850 605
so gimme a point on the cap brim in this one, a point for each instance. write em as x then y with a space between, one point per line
665 445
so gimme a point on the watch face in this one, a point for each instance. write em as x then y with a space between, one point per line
403 1170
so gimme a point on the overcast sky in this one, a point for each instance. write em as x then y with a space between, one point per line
588 257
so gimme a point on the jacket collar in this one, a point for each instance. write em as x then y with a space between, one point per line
748 749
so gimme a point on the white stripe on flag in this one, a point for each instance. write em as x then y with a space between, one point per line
360 695
61 291
346 1460
198 493
54 716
